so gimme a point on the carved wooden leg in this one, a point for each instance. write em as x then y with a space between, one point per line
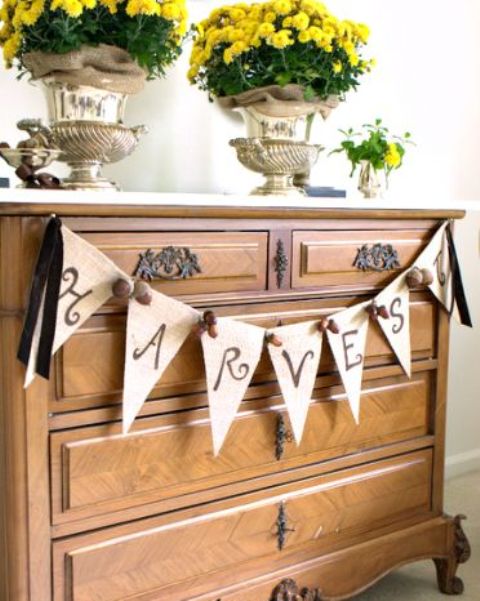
288 590
448 582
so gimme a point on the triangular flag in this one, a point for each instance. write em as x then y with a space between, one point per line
296 365
155 334
348 348
230 361
436 259
396 298
86 284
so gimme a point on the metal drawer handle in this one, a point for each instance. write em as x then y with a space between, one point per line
283 435
379 257
282 526
170 263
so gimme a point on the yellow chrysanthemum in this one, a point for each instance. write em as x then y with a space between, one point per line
170 11
304 37
265 29
282 7
281 39
301 21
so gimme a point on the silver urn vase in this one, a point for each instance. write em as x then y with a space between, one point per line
87 126
276 145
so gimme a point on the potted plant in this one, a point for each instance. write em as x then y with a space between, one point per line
374 150
91 54
279 63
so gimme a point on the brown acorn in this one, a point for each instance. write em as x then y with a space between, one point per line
274 339
427 277
213 330
322 325
209 318
121 288
372 311
142 293
333 326
383 312
414 278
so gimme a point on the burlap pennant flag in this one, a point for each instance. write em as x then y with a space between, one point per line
296 366
348 349
155 334
396 328
230 361
86 284
436 259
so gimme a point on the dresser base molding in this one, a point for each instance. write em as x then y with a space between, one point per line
350 571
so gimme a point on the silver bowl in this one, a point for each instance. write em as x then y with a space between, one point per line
278 161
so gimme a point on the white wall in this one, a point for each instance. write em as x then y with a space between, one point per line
427 81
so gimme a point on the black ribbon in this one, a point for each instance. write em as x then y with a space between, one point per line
458 291
46 277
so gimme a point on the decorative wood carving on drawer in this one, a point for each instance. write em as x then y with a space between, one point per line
378 257
288 590
170 263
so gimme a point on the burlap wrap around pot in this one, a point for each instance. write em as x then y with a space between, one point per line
105 67
278 101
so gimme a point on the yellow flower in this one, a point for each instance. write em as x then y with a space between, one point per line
282 7
287 22
269 17
227 56
304 37
281 39
238 47
170 11
89 3
73 8
393 158
265 29
363 32
354 59
309 7
337 67
300 21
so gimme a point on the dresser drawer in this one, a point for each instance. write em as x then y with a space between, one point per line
228 262
327 258
148 559
96 470
89 367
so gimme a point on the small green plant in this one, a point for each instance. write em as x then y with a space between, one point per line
376 145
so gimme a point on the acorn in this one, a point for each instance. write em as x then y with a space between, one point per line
427 277
121 288
383 312
414 278
322 326
274 339
372 311
333 326
142 293
199 328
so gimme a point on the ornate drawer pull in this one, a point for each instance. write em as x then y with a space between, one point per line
379 257
280 263
283 435
171 263
282 526
288 590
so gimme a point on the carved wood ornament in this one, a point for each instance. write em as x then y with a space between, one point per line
171 263
448 582
288 590
281 263
379 257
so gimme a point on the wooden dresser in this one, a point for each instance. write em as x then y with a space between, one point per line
91 515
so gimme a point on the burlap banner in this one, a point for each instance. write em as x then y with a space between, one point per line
396 327
348 348
155 333
73 279
86 284
435 258
296 367
230 362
